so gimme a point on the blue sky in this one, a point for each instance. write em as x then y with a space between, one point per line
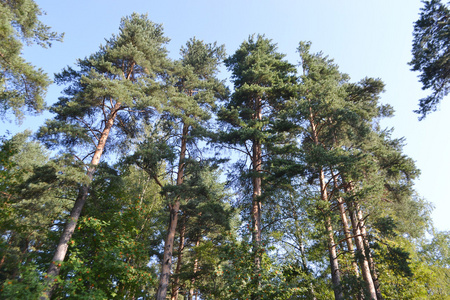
365 38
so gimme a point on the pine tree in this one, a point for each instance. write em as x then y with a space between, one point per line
119 83
192 91
431 53
321 93
338 118
22 86
262 82
205 222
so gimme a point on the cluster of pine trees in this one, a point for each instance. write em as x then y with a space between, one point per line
153 180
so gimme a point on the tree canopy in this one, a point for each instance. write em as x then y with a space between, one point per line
22 86
431 53
153 179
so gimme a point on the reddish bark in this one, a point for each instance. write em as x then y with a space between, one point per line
176 281
70 226
174 209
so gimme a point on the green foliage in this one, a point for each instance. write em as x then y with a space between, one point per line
431 53
27 286
316 150
240 280
22 86
423 279
35 194
109 253
120 82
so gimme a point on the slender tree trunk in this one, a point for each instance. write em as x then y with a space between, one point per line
83 192
367 253
363 247
346 228
348 235
176 281
364 264
168 246
335 271
168 243
2 261
256 201
334 263
306 270
349 241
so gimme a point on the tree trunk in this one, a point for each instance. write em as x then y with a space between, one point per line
69 229
334 263
168 244
256 201
363 245
176 281
367 253
348 235
346 227
364 264
335 272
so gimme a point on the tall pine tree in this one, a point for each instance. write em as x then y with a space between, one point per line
118 84
192 91
262 82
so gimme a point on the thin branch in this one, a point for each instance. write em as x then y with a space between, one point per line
272 222
237 149
92 130
89 154
103 109
292 245
157 181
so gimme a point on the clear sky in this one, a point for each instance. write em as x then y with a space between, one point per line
366 39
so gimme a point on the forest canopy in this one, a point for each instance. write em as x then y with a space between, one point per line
282 186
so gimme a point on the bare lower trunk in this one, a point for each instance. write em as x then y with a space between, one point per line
256 213
71 224
306 270
364 264
368 255
168 248
168 244
348 235
256 224
256 201
299 236
335 271
334 264
176 281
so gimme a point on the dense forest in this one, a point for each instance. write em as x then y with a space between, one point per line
156 180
